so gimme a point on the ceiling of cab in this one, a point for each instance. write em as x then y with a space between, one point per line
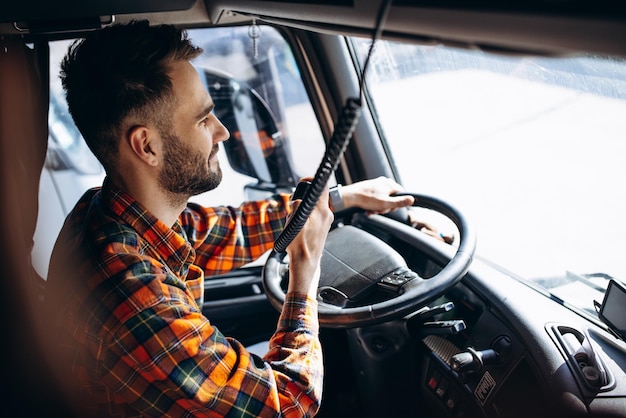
536 26
552 27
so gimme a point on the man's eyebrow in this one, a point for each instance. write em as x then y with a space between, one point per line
206 110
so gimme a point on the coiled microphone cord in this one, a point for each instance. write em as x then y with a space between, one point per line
338 143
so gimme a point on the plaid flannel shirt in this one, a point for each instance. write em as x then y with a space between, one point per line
124 309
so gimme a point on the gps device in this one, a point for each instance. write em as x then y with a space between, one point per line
613 309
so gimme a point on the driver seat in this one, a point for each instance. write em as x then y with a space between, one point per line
23 146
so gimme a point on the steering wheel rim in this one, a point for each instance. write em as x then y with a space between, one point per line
415 293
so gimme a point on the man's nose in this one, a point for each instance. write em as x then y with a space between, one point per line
221 133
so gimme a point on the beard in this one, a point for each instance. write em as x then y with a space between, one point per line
186 172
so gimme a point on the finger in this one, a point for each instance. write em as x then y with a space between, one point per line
418 225
293 205
448 239
401 201
392 202
433 233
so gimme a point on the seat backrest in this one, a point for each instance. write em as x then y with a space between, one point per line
23 143
23 140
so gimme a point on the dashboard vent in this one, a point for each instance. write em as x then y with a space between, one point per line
584 357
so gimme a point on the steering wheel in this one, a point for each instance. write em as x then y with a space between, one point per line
355 263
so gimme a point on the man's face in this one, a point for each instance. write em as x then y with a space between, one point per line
187 171
190 164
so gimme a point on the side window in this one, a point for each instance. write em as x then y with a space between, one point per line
283 141
275 137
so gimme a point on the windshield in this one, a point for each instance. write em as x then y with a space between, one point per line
531 149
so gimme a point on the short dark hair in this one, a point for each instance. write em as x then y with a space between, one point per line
120 74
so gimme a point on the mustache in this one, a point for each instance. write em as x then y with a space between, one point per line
214 150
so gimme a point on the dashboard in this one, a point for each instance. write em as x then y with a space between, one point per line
483 370
491 346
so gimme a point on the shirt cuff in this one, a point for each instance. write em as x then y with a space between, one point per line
299 313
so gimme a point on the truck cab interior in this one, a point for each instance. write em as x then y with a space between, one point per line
504 119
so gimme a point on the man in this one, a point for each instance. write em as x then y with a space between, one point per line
125 284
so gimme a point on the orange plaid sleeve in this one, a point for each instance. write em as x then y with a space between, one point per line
225 238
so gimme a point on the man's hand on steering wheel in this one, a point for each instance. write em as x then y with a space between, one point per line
375 196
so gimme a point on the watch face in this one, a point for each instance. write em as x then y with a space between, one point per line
336 200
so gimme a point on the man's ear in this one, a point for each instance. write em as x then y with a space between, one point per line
144 144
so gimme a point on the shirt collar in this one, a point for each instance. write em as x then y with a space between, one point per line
170 243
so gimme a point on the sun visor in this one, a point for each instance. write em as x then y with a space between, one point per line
64 10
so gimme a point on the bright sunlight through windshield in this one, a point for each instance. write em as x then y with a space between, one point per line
531 149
